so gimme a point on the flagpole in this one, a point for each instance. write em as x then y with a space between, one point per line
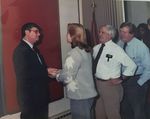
93 5
94 33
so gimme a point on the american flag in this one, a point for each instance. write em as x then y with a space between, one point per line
94 32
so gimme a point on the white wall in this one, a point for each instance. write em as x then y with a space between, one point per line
137 11
68 12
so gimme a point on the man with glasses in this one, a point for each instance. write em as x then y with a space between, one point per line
32 75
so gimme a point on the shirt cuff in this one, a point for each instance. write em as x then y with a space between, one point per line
140 82
57 77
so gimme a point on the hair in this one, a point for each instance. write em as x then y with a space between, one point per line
148 21
142 25
144 34
78 36
88 38
116 38
110 30
28 26
132 27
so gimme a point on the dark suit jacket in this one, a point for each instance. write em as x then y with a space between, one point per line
32 78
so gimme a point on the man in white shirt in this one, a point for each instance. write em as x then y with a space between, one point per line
108 72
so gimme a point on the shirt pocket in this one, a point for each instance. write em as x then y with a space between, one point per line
136 59
109 58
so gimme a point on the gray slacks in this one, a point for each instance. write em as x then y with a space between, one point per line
82 109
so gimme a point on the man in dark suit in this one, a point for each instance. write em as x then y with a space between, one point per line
32 75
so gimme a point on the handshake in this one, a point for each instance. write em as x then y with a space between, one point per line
52 72
60 76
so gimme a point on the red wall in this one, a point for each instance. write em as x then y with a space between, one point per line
14 14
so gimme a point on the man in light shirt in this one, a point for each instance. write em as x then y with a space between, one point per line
135 89
108 73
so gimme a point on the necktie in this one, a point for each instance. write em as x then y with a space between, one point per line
97 58
124 46
36 51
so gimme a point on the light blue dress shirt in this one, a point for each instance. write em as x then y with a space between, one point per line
140 54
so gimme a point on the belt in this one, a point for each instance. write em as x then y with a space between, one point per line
102 79
115 81
137 75
133 76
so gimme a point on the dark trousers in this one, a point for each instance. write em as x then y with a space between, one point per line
148 101
34 113
134 99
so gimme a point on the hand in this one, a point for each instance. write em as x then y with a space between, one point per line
72 86
52 72
125 77
115 81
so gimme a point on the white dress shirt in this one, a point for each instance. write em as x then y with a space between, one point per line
28 43
32 48
109 64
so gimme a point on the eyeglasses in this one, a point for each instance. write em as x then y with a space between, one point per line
35 31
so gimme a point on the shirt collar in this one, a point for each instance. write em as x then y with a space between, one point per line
108 42
28 42
131 41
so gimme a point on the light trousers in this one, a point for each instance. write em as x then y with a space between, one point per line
108 104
